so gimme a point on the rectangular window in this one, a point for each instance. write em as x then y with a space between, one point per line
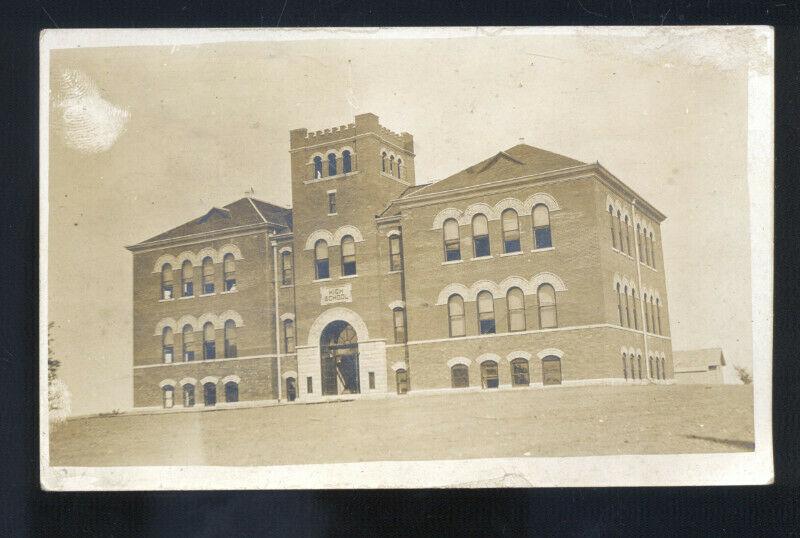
208 287
482 246
310 385
209 350
188 289
168 354
543 238
487 326
166 291
331 203
395 254
372 380
188 356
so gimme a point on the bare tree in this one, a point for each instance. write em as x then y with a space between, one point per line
744 374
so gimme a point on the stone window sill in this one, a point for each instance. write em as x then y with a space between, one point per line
185 297
229 291
517 253
166 300
347 276
482 258
322 280
543 249
451 262
206 294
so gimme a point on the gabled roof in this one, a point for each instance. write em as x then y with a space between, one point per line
697 359
518 161
242 212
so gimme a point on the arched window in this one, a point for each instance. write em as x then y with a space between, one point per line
401 380
646 316
542 237
652 316
187 279
166 281
188 395
551 370
321 267
167 345
169 396
663 369
391 165
331 164
510 231
627 236
288 336
395 253
619 305
639 240
209 344
399 168
383 162
520 373
652 253
286 268
635 309
480 236
210 394
486 313
291 389
231 392
455 311
489 377
547 306
658 368
639 362
452 241
627 308
230 339
229 272
515 300
347 162
188 343
611 222
348 256
619 229
625 366
399 316
459 376
648 249
650 363
658 316
208 275
317 167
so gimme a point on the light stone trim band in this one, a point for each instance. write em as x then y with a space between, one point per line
217 255
528 287
525 208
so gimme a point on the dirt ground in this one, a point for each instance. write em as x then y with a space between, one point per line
565 421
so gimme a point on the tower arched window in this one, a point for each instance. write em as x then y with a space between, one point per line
317 167
399 168
208 275
516 309
347 162
480 236
286 268
639 363
209 342
627 236
348 256
611 223
229 272
652 316
645 315
167 345
321 266
658 316
625 366
635 309
391 164
627 308
166 282
187 279
188 343
288 336
486 323
331 164
510 222
619 305
548 316
230 339
455 313
652 252
452 241
619 228
399 318
542 236
639 239
383 162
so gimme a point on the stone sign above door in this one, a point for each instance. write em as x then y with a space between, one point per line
336 294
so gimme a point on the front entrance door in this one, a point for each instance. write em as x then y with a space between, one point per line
339 360
291 389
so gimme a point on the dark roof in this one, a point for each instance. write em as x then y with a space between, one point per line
243 212
698 358
518 161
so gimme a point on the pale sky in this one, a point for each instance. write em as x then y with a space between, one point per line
185 128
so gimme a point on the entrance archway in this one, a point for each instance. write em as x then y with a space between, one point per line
338 348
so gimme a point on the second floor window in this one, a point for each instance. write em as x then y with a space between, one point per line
208 275
209 343
510 231
187 279
188 343
230 339
455 313
332 203
399 315
546 295
348 256
166 282
480 236
317 167
486 313
321 267
542 237
516 309
395 254
452 241
288 336
167 345
331 164
286 268
229 272
347 162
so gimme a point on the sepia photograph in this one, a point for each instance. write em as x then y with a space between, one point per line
406 257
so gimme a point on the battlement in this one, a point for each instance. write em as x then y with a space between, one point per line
364 123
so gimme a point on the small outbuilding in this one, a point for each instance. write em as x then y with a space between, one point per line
703 366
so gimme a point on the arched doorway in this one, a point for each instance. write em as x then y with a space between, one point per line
339 359
291 389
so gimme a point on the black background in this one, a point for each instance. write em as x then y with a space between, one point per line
25 510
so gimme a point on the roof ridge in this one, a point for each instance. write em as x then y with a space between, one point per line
260 214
